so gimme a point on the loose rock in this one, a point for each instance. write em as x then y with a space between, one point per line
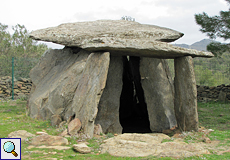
41 133
49 140
20 134
82 148
55 147
98 129
64 133
56 120
74 126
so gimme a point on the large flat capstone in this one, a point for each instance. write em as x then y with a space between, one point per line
118 37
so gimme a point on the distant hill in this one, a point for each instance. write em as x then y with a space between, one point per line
201 45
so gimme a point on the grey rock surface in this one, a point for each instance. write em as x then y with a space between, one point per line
159 93
118 37
104 31
21 134
185 94
74 126
82 148
56 120
49 140
142 145
89 90
108 108
61 148
97 129
55 79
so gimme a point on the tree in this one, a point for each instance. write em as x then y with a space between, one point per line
18 45
216 26
5 40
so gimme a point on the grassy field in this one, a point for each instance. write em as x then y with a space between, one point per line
13 117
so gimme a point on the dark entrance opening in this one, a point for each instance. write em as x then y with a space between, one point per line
133 114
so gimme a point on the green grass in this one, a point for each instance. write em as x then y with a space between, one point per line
214 115
13 117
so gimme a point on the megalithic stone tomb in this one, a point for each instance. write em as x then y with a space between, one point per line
114 73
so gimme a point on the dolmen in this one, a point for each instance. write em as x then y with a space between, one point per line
114 73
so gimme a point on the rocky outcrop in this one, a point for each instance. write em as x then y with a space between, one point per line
142 145
185 94
118 37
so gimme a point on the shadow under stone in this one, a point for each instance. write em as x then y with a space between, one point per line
133 114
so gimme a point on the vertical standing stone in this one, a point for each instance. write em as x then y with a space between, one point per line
89 90
108 108
55 79
159 93
185 94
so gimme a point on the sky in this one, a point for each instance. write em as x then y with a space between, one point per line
174 14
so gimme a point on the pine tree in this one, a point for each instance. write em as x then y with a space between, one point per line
216 26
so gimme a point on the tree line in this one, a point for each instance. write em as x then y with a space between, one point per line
18 45
214 71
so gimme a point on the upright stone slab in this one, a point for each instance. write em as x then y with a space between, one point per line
89 90
159 93
185 94
108 108
55 79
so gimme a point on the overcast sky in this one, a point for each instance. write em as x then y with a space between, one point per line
174 14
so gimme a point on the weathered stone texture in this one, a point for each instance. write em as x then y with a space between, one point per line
24 135
141 145
74 126
159 93
97 129
49 140
82 148
108 32
55 79
108 108
185 94
90 80
118 37
89 90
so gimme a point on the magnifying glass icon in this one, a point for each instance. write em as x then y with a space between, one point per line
9 147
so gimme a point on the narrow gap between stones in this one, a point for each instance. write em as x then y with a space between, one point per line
133 114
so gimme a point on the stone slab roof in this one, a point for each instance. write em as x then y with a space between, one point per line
118 37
